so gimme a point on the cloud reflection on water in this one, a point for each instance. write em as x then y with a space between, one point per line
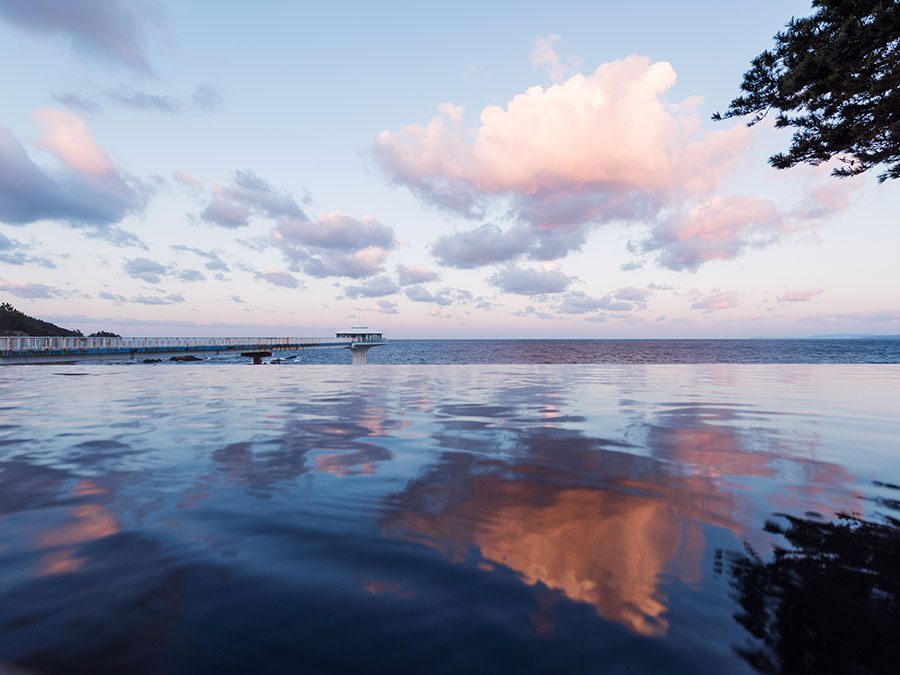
561 515
600 520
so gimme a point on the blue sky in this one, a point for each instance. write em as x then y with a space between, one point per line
522 169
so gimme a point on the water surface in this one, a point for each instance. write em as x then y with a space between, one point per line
527 518
454 352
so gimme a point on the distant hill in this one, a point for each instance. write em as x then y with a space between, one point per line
16 323
854 336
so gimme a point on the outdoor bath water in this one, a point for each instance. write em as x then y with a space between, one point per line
184 518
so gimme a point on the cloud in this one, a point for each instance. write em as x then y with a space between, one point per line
723 227
578 302
374 288
483 245
227 213
145 269
547 279
207 99
14 252
28 290
115 30
415 274
531 311
279 278
157 299
237 299
118 299
88 192
869 316
248 195
444 297
543 55
717 300
335 244
68 137
77 102
386 307
596 148
422 294
337 231
188 180
191 275
214 262
142 101
718 228
633 294
800 296
621 300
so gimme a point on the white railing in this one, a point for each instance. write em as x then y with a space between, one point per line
40 344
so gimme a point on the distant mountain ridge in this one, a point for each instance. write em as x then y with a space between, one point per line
16 323
854 336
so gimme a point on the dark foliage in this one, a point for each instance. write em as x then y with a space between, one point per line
830 604
14 322
835 78
104 333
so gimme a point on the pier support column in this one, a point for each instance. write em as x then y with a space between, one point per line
256 356
359 354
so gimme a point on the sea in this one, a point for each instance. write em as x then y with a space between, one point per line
457 507
455 352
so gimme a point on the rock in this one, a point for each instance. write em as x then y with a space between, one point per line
152 360
185 357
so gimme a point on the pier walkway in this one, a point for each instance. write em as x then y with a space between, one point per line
60 349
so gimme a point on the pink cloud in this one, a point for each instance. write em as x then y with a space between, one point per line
415 274
714 229
611 129
187 180
69 139
90 192
723 227
800 296
717 300
594 148
335 244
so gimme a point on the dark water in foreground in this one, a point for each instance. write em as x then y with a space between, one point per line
551 519
445 352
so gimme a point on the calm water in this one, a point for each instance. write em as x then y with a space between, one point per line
603 351
491 518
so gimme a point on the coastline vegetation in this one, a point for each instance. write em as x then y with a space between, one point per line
14 323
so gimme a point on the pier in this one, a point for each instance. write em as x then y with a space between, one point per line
358 340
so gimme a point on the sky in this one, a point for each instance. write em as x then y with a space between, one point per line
432 170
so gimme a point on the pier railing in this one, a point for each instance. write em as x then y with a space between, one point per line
39 344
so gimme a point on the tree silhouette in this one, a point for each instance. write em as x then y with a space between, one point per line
829 604
835 77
